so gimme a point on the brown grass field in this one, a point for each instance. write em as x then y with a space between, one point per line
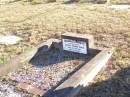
110 28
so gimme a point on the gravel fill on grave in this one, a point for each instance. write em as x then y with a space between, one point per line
47 70
7 89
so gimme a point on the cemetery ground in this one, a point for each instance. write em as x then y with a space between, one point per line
110 28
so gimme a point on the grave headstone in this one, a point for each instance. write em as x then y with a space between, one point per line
78 43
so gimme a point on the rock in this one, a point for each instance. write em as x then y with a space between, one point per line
120 6
9 39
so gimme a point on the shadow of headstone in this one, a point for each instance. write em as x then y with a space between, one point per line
117 86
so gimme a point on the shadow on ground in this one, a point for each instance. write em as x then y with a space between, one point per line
117 86
53 55
121 3
85 1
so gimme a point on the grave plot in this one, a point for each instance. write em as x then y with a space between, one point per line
54 69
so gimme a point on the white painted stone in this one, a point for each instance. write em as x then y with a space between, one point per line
69 6
9 39
120 6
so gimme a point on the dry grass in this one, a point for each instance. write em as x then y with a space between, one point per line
37 23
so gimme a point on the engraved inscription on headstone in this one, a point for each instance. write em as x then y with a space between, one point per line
74 46
78 43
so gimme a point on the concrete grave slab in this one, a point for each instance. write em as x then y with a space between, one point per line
9 39
88 66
